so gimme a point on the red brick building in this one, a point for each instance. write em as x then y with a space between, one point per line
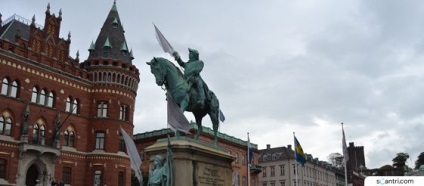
60 118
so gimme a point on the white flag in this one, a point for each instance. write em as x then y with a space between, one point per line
345 151
163 42
133 154
176 118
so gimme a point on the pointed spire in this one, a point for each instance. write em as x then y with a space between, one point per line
114 6
77 55
91 47
60 13
107 43
33 20
111 38
131 55
69 36
48 9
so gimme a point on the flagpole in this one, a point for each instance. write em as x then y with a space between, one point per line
295 158
344 156
248 160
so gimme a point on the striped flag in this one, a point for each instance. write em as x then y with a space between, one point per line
300 155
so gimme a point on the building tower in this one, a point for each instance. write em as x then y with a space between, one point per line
60 119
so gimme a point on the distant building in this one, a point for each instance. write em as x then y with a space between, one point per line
60 119
418 172
234 146
279 168
356 161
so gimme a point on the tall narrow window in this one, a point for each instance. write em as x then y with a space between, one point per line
35 133
34 95
5 86
121 178
68 105
8 127
67 175
102 109
50 99
3 166
71 139
121 144
100 140
123 113
75 107
2 124
97 177
14 89
66 138
42 98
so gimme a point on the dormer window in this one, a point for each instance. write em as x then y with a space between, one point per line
115 23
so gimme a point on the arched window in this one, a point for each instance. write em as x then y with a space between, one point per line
42 99
66 138
38 133
50 99
68 105
69 137
75 107
14 89
34 95
5 86
35 133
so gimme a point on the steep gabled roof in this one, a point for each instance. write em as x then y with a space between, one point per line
9 30
111 38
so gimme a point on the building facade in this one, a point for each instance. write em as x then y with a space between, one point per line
60 118
355 164
234 146
280 168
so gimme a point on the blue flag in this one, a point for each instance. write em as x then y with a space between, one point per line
221 116
250 151
300 156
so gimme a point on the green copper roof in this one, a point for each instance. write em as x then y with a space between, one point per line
91 46
107 43
124 46
208 130
131 54
114 7
115 22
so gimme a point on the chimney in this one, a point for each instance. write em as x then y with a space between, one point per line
289 147
1 21
351 144
268 146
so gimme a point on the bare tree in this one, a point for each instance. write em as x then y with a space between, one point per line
336 159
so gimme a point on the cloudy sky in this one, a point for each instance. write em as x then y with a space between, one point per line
278 67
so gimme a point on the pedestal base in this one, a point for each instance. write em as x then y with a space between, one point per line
195 163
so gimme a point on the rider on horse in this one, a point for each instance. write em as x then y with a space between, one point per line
192 69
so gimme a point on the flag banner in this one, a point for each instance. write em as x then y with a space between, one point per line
300 156
176 118
235 181
345 151
250 151
221 116
163 42
133 154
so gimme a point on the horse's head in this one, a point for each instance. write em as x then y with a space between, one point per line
158 70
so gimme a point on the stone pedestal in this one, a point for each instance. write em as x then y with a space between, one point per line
195 163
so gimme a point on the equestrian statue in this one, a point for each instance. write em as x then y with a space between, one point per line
188 89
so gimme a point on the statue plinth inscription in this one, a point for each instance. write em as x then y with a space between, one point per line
211 176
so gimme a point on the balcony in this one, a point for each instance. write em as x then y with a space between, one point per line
255 169
39 147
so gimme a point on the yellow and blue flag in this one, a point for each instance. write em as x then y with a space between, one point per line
299 154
